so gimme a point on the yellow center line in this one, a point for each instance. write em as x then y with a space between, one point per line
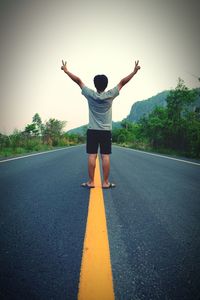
96 274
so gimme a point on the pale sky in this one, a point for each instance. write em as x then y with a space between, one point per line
94 37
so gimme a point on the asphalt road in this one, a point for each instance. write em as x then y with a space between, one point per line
154 227
153 219
43 218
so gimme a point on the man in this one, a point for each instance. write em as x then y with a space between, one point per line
100 121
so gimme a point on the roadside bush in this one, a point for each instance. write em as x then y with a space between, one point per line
33 144
19 150
63 142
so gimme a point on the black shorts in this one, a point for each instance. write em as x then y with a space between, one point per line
96 138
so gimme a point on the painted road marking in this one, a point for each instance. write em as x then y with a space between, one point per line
163 156
96 274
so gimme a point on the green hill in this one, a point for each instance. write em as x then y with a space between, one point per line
140 109
82 129
78 130
145 107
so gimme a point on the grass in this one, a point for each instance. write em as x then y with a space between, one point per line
148 148
10 152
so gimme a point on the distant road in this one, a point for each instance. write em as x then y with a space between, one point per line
153 219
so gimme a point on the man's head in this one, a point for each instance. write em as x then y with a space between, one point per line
100 82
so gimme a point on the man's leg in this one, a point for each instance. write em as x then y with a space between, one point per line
92 150
106 169
91 168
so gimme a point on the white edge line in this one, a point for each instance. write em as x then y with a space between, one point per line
34 154
163 156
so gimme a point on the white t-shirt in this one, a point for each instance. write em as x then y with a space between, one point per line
100 107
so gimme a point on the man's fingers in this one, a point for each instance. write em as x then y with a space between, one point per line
64 63
136 63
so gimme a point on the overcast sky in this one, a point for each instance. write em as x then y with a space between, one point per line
94 37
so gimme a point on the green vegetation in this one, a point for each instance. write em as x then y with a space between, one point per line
38 137
171 129
144 107
170 124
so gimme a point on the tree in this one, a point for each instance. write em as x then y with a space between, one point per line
192 132
35 128
16 139
38 124
154 127
121 138
53 130
31 129
127 125
178 102
4 141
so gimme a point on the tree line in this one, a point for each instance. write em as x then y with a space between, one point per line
171 129
38 136
174 129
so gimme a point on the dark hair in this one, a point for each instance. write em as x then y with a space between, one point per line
100 82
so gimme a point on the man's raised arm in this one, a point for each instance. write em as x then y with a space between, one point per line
130 76
72 76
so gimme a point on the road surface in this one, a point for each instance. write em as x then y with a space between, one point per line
153 222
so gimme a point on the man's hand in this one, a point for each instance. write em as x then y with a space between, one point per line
64 66
137 67
71 75
130 76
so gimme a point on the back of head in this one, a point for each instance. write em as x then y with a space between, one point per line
100 82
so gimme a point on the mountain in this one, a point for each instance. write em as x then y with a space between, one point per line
78 130
145 107
82 129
